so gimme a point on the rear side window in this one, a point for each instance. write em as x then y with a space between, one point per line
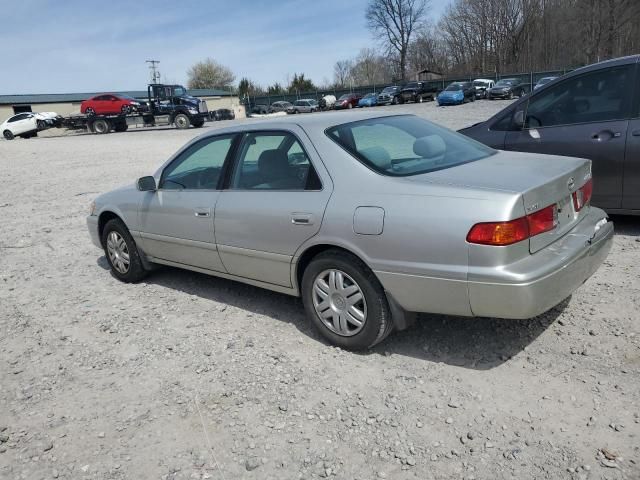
592 97
406 145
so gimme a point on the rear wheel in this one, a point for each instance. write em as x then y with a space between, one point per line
101 126
198 123
181 121
345 301
121 252
8 135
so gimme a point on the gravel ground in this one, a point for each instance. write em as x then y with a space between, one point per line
185 376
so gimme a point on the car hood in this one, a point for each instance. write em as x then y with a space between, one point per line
502 87
451 94
46 115
118 196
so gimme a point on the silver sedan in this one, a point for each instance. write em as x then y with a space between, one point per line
368 218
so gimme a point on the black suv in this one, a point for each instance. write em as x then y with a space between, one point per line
417 92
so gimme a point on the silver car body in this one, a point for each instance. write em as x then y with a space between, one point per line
305 105
410 231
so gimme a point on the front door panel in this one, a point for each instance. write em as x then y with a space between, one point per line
178 226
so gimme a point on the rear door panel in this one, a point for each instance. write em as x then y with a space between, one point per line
603 143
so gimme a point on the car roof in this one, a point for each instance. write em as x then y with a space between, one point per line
483 80
318 121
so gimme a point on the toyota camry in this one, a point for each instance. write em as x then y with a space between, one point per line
369 218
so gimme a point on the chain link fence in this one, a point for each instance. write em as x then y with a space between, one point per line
531 78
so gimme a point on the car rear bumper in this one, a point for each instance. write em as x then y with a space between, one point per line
539 282
92 225
523 289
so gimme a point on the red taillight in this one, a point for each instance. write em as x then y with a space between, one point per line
543 220
582 196
513 231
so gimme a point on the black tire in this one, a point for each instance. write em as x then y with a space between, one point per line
473 97
394 101
349 105
8 135
378 323
41 124
181 121
198 123
420 99
90 111
121 127
510 94
101 126
125 109
135 271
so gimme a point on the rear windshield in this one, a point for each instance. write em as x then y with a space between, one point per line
406 145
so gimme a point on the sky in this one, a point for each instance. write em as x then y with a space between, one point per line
65 46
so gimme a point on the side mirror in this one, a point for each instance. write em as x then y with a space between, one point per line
518 119
147 184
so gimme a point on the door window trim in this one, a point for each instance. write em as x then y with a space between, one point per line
236 162
223 171
626 117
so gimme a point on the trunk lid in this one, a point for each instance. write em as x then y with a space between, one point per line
542 180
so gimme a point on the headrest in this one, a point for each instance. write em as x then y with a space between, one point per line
273 163
429 147
378 156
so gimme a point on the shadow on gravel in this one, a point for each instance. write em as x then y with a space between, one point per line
475 343
626 225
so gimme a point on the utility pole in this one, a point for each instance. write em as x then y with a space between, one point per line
155 74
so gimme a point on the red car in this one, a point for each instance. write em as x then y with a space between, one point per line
348 100
110 104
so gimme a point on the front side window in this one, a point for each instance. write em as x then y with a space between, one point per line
592 97
406 145
273 161
199 167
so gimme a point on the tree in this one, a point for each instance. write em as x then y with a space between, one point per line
275 89
394 22
342 72
209 74
300 84
247 87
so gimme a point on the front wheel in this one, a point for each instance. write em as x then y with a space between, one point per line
394 101
8 135
181 121
121 252
420 99
349 105
345 301
41 124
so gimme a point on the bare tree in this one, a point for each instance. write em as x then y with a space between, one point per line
394 22
209 74
342 72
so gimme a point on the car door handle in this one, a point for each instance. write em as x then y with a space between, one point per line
605 135
202 212
302 219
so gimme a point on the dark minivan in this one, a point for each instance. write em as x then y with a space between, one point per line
592 112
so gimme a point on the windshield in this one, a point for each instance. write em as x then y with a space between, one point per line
411 85
370 95
542 81
505 83
389 89
179 92
406 145
479 83
453 88
346 96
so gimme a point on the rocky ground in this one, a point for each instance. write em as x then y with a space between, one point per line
185 376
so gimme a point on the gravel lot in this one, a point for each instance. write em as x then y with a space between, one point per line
185 376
